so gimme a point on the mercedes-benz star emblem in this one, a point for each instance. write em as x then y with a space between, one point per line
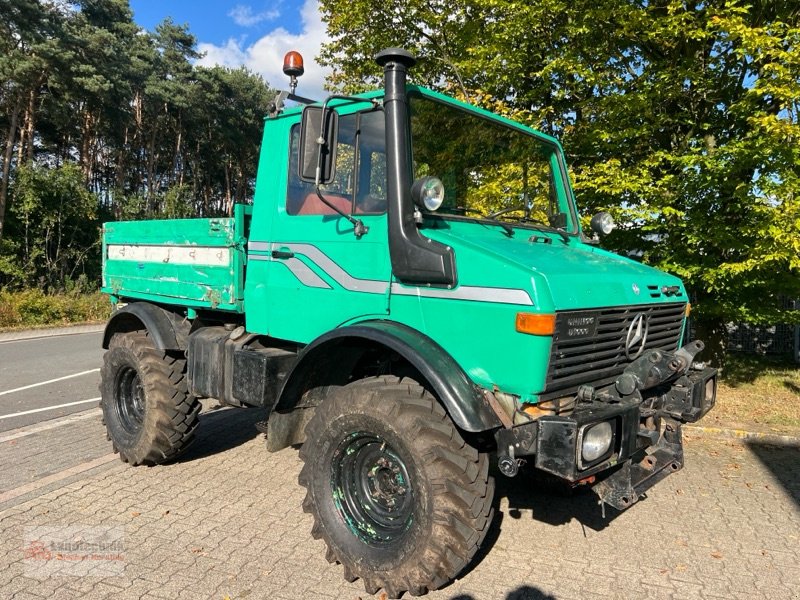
637 336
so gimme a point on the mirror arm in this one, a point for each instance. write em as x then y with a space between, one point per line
359 228
321 139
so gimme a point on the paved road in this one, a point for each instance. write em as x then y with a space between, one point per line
225 520
40 373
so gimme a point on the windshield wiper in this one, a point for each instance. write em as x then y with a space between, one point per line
532 223
488 218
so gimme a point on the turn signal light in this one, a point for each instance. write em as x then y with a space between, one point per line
536 324
688 309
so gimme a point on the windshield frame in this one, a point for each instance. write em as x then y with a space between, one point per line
561 174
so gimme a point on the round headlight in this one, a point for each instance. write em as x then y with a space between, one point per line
602 223
428 193
596 441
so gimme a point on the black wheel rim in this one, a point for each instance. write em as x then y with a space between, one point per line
371 489
129 400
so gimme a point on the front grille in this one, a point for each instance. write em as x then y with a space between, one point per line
589 345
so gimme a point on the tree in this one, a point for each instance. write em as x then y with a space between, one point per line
54 220
93 106
28 44
681 117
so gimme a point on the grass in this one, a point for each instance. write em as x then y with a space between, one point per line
33 308
758 390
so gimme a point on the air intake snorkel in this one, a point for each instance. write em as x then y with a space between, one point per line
415 259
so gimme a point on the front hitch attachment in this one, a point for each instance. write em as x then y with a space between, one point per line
655 367
625 487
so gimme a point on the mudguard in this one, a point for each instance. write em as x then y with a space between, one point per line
166 329
462 399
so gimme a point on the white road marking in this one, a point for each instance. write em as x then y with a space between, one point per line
26 431
33 385
38 410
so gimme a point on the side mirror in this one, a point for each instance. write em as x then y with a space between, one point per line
318 135
602 223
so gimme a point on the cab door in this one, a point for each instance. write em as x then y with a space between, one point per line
320 274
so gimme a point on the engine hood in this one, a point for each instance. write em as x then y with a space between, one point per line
564 276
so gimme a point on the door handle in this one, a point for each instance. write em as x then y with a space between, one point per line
282 254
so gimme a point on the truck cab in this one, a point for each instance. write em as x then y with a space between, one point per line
411 296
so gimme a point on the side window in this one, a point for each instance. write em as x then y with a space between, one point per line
360 170
301 198
371 196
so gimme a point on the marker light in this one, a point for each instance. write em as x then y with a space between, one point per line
293 64
688 309
536 324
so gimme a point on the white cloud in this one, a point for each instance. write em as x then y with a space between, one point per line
243 15
265 56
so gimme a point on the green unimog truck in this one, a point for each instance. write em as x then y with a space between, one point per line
411 297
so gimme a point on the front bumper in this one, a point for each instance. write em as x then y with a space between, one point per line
645 446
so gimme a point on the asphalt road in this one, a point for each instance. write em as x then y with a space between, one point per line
43 374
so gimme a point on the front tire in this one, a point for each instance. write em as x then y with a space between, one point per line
397 495
149 415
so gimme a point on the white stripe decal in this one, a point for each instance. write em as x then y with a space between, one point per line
353 284
207 256
258 246
336 272
466 292
299 269
304 273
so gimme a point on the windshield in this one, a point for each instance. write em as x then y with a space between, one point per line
488 168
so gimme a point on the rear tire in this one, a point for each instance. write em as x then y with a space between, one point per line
396 494
149 415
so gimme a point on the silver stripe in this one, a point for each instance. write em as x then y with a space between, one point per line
466 292
304 273
350 283
258 246
334 271
298 268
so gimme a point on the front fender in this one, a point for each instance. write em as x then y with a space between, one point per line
461 398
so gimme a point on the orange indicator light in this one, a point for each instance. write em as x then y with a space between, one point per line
536 324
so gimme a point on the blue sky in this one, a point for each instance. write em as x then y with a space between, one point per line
255 34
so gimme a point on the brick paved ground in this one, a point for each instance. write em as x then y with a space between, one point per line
226 521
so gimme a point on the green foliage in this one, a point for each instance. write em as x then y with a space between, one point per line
679 117
54 221
127 124
33 308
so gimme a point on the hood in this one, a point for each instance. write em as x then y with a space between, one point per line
568 276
